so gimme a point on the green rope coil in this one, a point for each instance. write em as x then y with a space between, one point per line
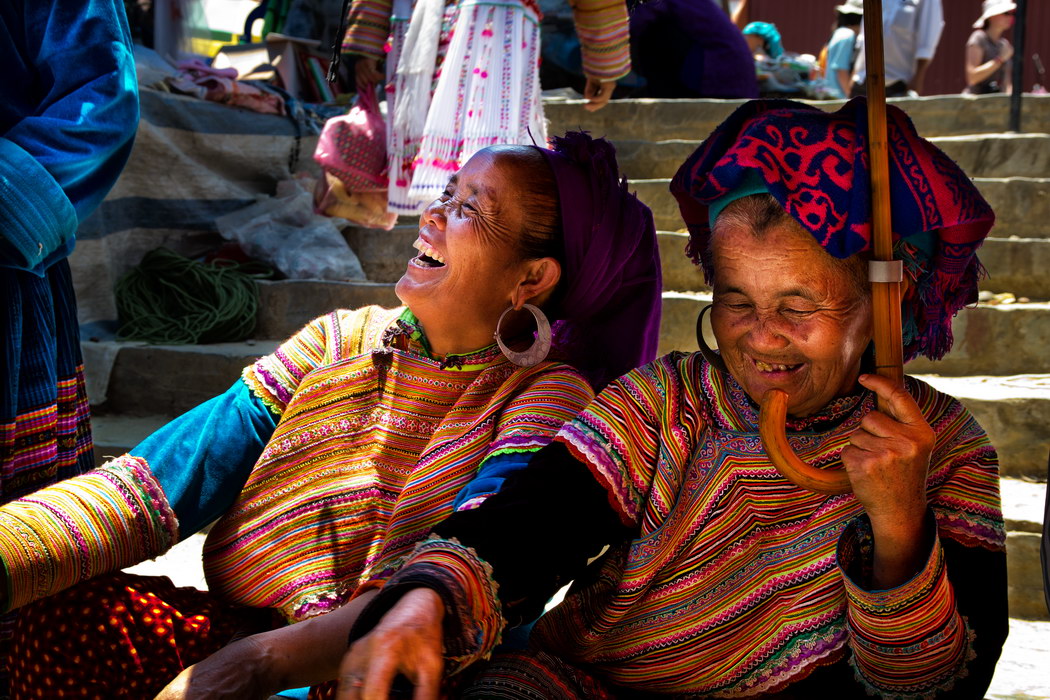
170 299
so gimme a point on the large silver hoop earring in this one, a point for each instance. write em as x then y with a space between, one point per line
537 352
712 357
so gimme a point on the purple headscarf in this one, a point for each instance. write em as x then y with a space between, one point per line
611 301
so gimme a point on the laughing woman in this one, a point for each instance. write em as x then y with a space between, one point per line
331 458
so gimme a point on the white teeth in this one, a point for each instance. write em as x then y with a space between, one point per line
426 250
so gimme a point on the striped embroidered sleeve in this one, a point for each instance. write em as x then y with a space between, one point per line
617 436
274 379
940 633
109 518
368 26
909 641
604 33
473 620
527 423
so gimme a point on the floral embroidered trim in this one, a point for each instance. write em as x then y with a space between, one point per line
474 622
908 641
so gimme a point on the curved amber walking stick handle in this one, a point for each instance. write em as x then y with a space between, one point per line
774 440
885 274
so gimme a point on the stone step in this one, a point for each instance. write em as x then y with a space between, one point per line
1014 410
1023 511
996 339
383 254
168 380
661 120
979 155
288 305
1021 204
113 435
1017 265
999 155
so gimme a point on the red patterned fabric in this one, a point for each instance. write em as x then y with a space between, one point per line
815 163
353 147
119 636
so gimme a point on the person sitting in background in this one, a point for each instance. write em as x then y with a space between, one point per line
988 52
911 30
331 457
723 578
841 49
763 38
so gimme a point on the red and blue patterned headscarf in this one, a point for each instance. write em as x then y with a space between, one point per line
815 164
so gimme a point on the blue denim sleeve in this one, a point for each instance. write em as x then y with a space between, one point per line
491 475
202 459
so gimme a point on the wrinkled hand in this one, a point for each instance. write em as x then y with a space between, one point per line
367 71
408 640
235 672
887 460
597 93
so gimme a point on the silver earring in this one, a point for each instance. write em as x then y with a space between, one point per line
537 352
712 357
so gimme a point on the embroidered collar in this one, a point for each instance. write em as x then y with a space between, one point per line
407 334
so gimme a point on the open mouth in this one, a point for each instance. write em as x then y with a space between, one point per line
773 367
428 257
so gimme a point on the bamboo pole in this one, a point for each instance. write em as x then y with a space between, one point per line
886 295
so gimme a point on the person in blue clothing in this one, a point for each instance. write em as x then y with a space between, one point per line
841 49
68 114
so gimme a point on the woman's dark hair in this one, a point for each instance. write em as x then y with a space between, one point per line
537 193
541 235
850 19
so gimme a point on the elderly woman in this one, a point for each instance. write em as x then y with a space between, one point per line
334 455
722 578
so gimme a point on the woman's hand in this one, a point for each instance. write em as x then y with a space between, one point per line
367 71
887 460
597 92
1006 51
237 672
408 640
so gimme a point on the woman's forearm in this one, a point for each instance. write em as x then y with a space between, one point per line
977 74
309 653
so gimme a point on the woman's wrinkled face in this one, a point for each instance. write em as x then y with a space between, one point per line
468 248
787 316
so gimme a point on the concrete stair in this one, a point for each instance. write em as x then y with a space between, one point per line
1000 367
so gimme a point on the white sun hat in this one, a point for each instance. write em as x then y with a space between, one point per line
851 7
991 8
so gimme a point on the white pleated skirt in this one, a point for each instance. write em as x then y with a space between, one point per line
486 92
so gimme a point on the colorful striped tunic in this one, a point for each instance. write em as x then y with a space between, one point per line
375 443
735 583
328 462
